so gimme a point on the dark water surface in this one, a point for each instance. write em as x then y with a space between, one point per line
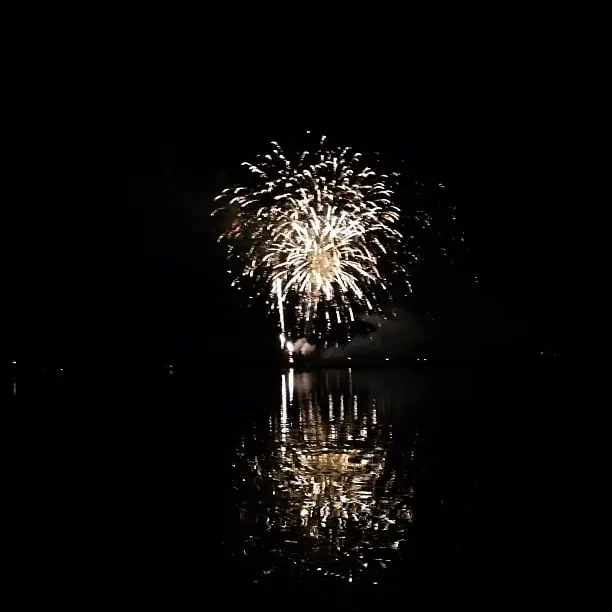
253 481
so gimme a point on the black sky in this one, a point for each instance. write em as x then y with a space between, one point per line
106 190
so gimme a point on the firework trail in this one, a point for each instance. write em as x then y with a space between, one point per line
317 233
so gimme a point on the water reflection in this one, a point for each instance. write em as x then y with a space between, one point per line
324 489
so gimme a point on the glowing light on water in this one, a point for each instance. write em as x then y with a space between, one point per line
283 415
324 474
291 384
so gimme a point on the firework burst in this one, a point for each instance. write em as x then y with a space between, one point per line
315 231
319 234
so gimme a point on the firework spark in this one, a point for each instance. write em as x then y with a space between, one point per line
314 230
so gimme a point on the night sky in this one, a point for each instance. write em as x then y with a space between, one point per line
108 247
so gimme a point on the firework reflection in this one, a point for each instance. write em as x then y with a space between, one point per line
332 496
